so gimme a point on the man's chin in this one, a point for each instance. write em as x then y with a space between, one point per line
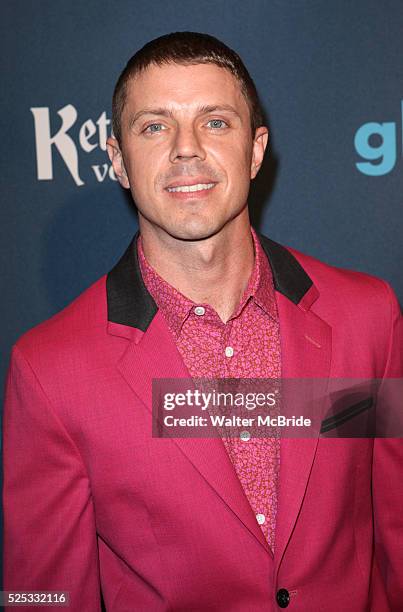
194 232
190 229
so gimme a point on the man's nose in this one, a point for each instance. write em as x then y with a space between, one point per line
187 144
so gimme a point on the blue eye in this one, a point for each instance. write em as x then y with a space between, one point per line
154 127
217 123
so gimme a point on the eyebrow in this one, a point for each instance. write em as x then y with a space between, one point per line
166 112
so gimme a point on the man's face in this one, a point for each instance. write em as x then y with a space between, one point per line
187 151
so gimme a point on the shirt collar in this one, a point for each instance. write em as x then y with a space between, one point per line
176 307
262 289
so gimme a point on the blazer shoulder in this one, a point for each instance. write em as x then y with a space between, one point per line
342 282
75 322
355 302
295 272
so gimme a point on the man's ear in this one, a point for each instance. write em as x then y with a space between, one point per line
116 157
259 147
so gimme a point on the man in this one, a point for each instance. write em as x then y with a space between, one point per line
92 500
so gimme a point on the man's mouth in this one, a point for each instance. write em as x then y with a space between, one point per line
190 188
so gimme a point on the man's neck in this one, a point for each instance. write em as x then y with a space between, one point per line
214 271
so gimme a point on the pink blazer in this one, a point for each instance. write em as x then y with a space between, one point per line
93 502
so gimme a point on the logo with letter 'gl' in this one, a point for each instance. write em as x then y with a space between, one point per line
377 144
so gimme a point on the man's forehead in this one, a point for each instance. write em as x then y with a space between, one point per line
154 68
176 85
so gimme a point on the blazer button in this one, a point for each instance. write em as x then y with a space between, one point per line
283 598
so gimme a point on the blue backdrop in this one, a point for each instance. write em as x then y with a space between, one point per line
330 78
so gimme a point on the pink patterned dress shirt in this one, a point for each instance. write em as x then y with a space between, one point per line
246 346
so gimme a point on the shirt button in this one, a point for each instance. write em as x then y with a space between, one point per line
229 351
245 436
199 310
260 518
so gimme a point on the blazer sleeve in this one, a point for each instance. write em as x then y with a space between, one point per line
50 541
387 477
